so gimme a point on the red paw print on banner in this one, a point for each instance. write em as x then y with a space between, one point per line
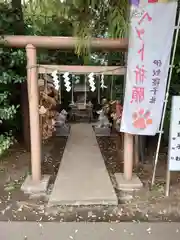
141 119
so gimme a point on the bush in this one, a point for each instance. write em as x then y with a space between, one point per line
11 61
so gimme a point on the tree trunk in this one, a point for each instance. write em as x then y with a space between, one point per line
18 25
20 30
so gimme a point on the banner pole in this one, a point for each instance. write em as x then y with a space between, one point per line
166 99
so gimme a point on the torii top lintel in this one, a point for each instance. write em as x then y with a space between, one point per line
49 42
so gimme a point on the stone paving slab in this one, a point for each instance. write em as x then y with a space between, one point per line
82 178
88 231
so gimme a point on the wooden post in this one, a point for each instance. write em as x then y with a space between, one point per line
33 95
128 156
136 150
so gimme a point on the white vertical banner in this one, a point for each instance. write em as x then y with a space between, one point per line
174 136
151 36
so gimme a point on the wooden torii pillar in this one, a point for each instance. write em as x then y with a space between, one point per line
31 43
33 96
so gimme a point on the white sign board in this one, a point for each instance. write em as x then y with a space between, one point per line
174 136
151 35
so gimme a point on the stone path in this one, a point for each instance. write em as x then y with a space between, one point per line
82 178
88 231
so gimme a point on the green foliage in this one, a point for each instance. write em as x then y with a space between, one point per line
53 23
6 141
10 64
90 18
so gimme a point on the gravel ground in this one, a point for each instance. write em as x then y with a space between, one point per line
145 205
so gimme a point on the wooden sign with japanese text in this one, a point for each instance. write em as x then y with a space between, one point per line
151 36
174 136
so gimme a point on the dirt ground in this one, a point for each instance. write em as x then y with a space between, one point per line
146 204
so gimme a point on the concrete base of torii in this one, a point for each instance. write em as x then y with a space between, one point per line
31 187
128 185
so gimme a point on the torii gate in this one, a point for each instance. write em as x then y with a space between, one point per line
33 42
